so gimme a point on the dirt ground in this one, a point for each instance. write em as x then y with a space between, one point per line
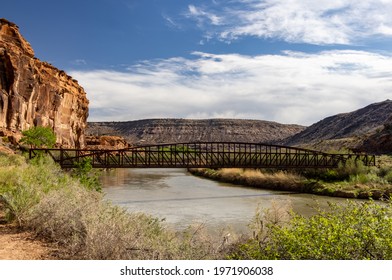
20 245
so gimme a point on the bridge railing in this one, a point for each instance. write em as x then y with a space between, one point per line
207 154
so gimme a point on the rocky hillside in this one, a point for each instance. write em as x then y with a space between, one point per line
349 130
185 130
379 142
34 93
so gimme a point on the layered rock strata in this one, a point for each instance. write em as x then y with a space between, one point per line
35 93
158 131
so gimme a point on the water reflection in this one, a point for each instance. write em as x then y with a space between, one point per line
183 199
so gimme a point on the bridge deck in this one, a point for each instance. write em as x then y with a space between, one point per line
204 155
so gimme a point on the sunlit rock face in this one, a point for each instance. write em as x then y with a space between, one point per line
34 93
106 142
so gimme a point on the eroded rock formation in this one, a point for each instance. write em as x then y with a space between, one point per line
34 93
106 142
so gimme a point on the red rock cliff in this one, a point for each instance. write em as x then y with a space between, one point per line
34 93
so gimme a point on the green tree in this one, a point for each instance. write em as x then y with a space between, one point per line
38 137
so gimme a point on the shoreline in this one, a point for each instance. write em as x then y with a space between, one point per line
285 181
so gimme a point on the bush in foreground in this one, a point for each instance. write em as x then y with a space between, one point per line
60 209
351 231
87 227
23 185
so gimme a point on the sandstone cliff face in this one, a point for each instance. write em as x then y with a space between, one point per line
35 93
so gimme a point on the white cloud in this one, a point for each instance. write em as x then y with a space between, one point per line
320 22
202 16
170 21
292 87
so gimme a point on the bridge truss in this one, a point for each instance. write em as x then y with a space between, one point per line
203 155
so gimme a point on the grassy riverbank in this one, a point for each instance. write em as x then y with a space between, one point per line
352 230
41 198
350 181
69 213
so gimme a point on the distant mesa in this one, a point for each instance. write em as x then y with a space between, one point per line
155 131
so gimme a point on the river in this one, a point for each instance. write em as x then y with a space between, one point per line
181 199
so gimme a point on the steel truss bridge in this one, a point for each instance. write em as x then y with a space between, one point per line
203 155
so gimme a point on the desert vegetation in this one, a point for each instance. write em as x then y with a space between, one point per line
63 208
352 180
355 230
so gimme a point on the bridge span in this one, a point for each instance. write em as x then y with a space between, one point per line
203 155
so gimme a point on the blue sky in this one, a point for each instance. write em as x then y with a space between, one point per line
291 61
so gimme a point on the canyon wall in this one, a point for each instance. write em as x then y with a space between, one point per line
35 93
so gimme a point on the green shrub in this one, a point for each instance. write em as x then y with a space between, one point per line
388 176
344 171
352 167
22 185
350 231
86 175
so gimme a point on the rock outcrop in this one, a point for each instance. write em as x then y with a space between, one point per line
35 93
157 131
106 143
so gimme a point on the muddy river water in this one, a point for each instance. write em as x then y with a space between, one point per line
182 199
